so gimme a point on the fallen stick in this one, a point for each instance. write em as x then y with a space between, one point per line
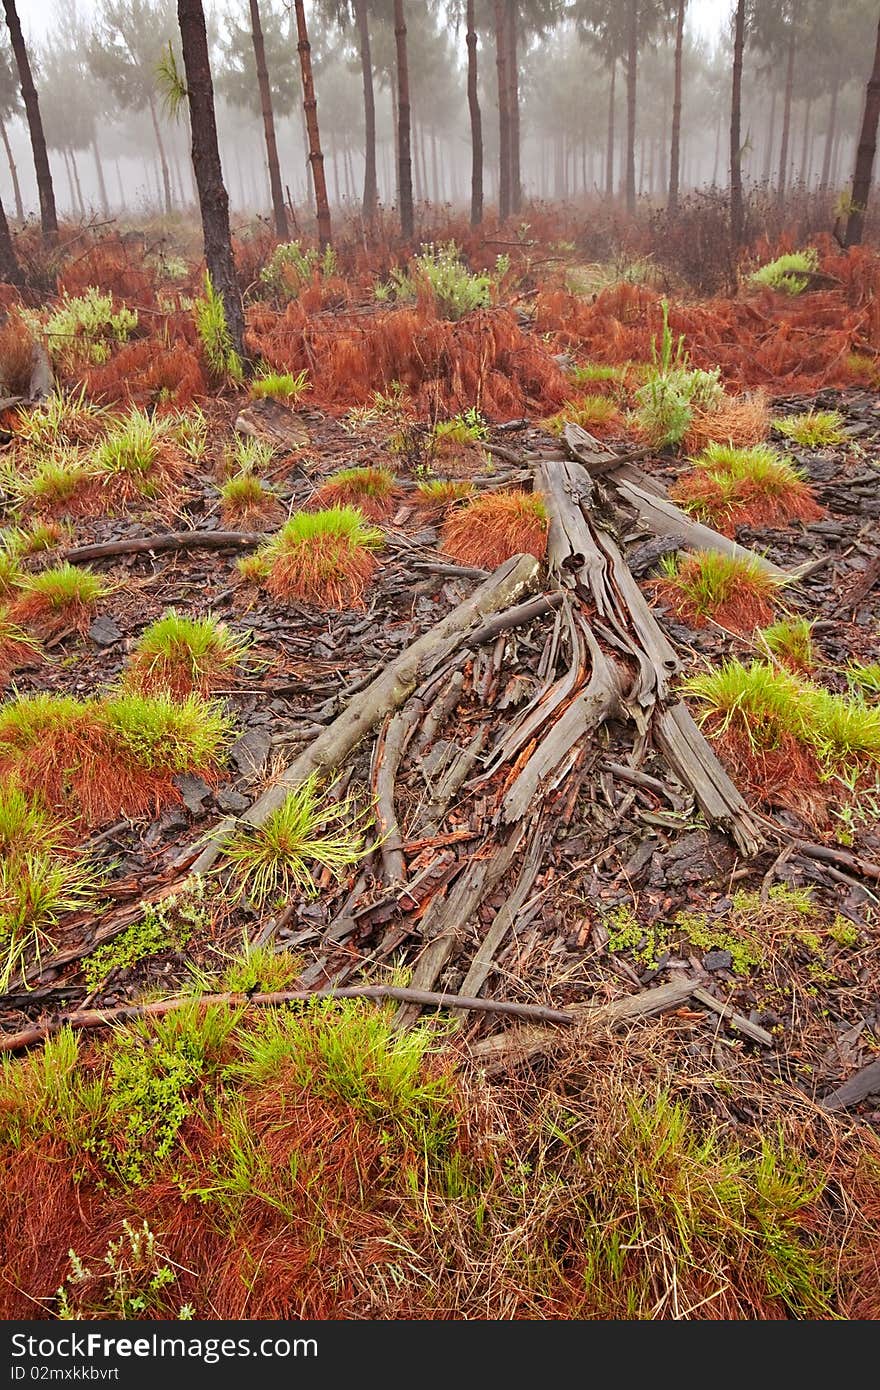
858 1087
172 540
126 1013
739 1021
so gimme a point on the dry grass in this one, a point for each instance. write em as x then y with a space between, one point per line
741 421
490 529
736 593
324 558
371 490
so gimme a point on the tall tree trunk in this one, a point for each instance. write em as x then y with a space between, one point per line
99 170
861 187
310 107
213 198
10 270
805 147
119 184
786 118
404 134
435 168
70 188
334 166
609 151
736 191
79 196
501 61
48 215
675 143
476 119
371 195
717 154
166 181
771 133
278 208
16 187
829 136
513 107
632 57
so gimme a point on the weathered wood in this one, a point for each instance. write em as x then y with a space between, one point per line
171 540
504 918
742 1024
42 382
273 423
692 760
864 1083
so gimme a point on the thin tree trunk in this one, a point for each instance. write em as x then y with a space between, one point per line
213 198
70 189
771 132
632 57
79 197
861 187
334 165
48 215
736 192
166 181
786 118
435 168
513 107
805 147
10 270
609 151
16 188
501 60
278 208
423 163
371 195
310 107
829 137
404 133
717 155
675 143
119 184
347 174
476 119
99 170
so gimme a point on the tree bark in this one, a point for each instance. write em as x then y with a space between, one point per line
48 215
476 119
829 137
213 198
513 108
10 270
404 135
786 119
736 192
163 162
371 193
310 109
278 208
632 58
16 187
99 170
609 152
865 154
675 143
501 61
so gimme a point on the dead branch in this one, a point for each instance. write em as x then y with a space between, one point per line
171 540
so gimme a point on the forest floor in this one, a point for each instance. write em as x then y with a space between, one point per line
681 1145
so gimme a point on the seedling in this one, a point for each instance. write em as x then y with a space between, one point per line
209 312
815 429
182 656
247 455
371 490
493 527
737 592
279 858
324 558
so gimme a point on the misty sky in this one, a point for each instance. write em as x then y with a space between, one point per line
707 17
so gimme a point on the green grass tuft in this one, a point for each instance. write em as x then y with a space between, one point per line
814 429
790 274
282 386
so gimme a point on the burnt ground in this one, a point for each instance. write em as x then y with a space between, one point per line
605 842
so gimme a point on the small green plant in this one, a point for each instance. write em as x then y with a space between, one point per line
865 678
133 1282
37 888
322 557
590 412
626 933
55 482
278 858
12 577
216 340
735 590
166 925
40 536
133 449
82 329
673 390
814 429
282 386
260 970
756 485
156 731
245 496
65 419
65 596
181 655
589 372
440 270
440 492
791 639
790 274
463 430
247 455
291 267
190 431
25 825
371 490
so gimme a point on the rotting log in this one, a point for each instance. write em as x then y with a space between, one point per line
169 540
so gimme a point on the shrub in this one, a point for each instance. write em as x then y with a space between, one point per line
324 558
63 597
735 591
210 318
277 859
82 329
815 429
490 529
439 270
291 267
790 274
181 655
371 490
